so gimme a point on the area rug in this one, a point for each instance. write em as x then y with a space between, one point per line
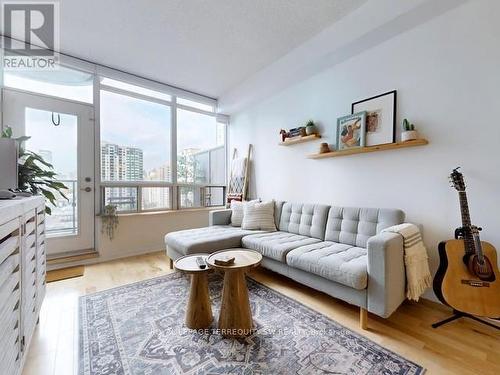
139 329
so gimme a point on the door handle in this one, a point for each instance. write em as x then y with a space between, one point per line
87 189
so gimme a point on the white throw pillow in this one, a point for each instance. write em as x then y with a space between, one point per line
237 211
259 216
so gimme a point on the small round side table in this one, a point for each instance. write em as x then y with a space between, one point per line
235 319
199 310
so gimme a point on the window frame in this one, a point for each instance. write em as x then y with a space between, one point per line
99 72
173 185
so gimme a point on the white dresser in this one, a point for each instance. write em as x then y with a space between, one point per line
22 278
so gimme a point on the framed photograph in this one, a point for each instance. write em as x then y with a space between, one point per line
351 131
380 118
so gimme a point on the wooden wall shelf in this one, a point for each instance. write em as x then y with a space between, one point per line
295 140
363 150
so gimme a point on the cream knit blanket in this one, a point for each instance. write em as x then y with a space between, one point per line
418 276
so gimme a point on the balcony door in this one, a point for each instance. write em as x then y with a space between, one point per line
62 132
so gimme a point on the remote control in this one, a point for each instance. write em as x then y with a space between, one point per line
201 263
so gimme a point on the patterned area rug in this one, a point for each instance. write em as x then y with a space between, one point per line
139 329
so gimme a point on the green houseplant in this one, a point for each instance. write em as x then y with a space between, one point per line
409 133
109 218
311 128
35 175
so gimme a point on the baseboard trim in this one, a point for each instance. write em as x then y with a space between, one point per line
71 257
100 258
65 273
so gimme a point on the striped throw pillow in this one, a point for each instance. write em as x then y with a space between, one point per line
237 211
259 216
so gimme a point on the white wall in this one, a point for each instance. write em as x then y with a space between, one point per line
447 75
141 234
144 233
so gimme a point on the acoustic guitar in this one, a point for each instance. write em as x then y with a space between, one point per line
468 279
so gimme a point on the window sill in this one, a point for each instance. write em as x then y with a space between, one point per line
170 212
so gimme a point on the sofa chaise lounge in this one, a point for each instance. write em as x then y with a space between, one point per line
340 251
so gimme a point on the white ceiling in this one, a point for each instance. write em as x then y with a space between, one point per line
206 46
366 27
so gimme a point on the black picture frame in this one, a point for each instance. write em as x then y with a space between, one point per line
394 110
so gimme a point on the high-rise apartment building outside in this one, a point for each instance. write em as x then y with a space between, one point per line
121 163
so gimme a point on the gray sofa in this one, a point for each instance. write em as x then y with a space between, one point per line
337 250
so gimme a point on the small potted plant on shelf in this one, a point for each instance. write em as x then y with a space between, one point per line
311 128
409 133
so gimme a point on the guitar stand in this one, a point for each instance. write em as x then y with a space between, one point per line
458 314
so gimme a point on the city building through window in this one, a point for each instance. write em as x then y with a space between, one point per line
137 162
160 148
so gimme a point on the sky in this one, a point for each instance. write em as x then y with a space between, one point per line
132 122
60 140
125 121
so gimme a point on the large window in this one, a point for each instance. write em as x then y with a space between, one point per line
161 148
135 146
63 83
137 163
200 157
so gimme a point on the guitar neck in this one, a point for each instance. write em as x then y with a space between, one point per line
466 223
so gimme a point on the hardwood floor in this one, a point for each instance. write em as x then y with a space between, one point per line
462 347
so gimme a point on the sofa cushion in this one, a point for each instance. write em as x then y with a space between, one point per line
206 240
237 211
278 206
259 216
304 219
354 225
344 264
276 245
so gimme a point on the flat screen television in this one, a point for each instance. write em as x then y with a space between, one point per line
8 164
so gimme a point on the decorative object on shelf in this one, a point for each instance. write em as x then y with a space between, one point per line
324 148
297 132
284 135
380 117
351 131
311 128
409 133
109 220
35 175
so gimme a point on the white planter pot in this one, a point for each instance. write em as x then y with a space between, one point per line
409 135
311 129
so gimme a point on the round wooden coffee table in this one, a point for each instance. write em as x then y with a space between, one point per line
198 311
235 318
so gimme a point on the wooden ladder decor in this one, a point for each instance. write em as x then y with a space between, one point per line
238 180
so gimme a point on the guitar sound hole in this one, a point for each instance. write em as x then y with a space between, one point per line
481 268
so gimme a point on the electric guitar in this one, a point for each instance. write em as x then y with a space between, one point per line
468 279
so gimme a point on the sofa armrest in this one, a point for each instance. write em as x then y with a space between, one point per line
219 217
386 273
